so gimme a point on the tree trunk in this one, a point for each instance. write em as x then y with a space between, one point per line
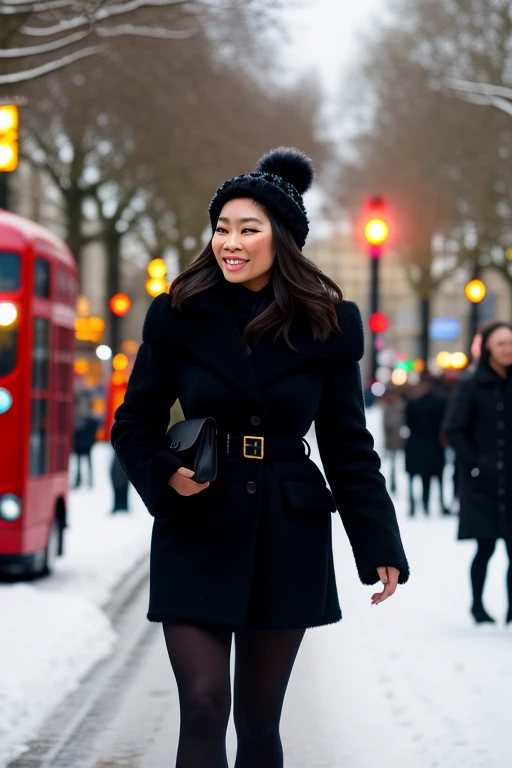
75 239
424 335
113 250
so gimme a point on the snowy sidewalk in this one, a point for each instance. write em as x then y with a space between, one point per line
411 683
54 629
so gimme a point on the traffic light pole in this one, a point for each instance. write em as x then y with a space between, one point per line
374 307
4 190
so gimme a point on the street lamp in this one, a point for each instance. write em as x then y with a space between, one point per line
157 283
376 231
475 292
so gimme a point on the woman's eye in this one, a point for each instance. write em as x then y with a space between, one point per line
248 229
221 230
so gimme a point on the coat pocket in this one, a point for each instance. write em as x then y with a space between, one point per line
308 496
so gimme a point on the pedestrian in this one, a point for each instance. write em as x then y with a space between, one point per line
84 436
425 449
120 486
479 427
393 422
256 336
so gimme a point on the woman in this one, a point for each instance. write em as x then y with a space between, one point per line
479 428
256 336
425 450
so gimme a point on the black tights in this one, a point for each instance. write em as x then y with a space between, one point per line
484 553
200 661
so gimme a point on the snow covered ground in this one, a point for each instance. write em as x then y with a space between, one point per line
54 629
412 683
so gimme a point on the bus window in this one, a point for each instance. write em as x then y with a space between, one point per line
8 348
40 353
39 438
41 278
10 269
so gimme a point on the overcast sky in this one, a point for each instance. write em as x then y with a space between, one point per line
325 34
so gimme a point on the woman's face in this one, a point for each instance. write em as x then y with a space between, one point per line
499 345
242 244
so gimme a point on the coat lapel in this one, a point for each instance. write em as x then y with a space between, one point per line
209 332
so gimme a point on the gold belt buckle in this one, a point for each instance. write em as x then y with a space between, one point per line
257 447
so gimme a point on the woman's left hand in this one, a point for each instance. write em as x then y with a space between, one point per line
389 577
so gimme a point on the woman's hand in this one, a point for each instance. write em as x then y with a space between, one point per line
183 484
389 577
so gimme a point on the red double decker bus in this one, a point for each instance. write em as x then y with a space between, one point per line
38 290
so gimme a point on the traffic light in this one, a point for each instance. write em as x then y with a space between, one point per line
378 322
475 291
376 227
119 304
9 127
157 283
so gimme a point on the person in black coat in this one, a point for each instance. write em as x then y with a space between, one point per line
479 427
424 450
254 335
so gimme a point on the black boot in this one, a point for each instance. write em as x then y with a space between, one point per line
481 616
508 620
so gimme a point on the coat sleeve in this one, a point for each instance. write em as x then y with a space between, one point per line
350 462
140 423
458 423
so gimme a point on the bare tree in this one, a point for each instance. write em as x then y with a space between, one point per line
438 160
40 37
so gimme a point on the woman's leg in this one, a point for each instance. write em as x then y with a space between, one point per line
478 573
262 669
425 479
508 544
411 495
200 661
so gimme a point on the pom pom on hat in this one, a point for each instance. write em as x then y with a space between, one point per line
290 164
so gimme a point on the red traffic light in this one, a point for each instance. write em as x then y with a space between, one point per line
378 322
119 304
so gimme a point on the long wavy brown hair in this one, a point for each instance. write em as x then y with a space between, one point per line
300 289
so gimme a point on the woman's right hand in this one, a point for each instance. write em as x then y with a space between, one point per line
183 484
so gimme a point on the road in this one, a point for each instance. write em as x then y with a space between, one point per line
407 684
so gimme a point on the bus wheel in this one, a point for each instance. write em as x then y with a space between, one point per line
52 548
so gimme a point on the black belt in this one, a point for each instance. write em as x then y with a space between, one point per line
256 447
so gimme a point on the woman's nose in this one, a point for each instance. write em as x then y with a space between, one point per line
232 242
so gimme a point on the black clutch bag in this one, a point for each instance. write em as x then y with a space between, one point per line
194 442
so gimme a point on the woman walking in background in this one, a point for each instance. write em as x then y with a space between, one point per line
424 450
256 336
479 427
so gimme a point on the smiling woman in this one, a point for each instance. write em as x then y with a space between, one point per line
243 244
254 335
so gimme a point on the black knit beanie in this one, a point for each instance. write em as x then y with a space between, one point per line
278 183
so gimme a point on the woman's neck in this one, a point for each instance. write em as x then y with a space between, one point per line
501 370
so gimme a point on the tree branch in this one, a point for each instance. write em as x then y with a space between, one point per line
101 15
36 50
154 32
51 66
37 7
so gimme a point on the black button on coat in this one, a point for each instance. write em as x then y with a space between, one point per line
478 425
226 556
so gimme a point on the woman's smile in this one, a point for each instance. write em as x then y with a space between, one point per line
234 265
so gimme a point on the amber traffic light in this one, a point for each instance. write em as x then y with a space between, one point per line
157 283
475 291
376 231
9 127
